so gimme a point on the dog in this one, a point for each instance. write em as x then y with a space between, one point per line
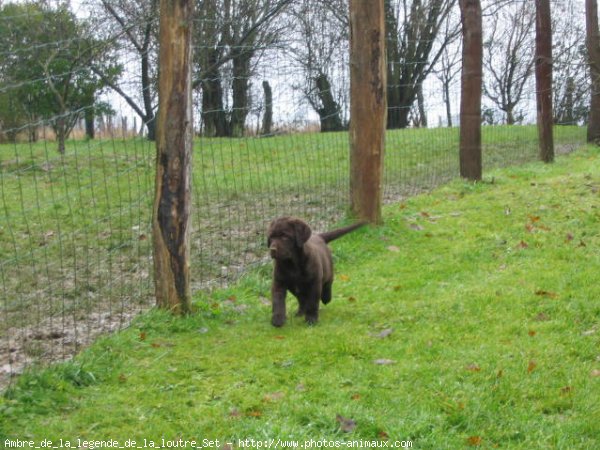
302 265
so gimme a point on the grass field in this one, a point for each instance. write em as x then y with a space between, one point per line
75 247
471 318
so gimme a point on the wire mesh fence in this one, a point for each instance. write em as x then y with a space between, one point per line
271 86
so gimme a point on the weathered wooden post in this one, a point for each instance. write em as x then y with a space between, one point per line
368 107
592 41
470 97
171 218
543 78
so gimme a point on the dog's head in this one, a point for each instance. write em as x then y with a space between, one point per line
286 237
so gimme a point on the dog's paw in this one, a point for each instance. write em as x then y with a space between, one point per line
311 320
277 320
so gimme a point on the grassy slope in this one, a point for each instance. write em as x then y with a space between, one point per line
491 294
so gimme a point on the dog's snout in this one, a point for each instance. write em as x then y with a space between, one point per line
273 251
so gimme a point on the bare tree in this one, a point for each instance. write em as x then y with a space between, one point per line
321 28
448 68
509 56
414 45
232 35
135 23
570 75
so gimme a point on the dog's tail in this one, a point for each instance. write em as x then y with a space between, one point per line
329 236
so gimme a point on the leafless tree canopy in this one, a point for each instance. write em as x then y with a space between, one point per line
509 57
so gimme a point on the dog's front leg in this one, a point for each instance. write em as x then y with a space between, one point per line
278 293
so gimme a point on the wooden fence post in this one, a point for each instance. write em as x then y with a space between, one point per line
470 97
368 107
543 79
592 41
171 215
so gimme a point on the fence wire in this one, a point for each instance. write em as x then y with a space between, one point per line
271 121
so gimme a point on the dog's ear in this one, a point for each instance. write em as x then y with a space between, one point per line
302 232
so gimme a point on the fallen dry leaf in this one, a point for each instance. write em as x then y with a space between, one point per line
531 366
474 441
543 293
344 277
346 425
274 396
566 390
355 396
383 435
523 244
254 413
531 333
473 368
596 373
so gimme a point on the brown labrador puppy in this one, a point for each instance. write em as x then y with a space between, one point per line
303 266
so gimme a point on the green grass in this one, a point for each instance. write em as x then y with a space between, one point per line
481 300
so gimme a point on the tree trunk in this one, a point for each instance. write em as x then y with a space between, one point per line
567 114
171 219
447 103
149 118
240 87
510 118
421 105
593 48
329 114
470 102
267 122
543 77
89 117
214 118
368 107
60 129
